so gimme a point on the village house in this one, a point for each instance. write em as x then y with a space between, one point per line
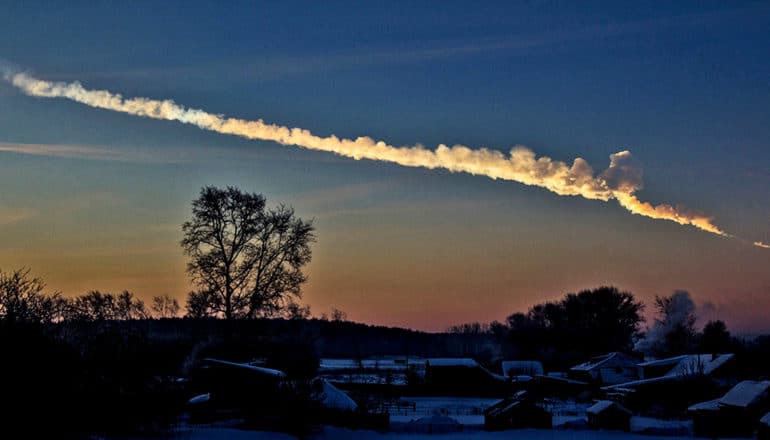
675 368
684 365
735 414
606 414
519 411
608 369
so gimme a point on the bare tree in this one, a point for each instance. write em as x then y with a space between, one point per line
94 306
164 307
98 306
339 315
296 311
128 307
245 260
22 298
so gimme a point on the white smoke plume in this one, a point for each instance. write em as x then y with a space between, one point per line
620 181
676 312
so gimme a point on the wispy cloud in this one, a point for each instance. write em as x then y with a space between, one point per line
762 245
83 152
14 215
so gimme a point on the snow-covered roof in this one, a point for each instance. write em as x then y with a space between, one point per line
635 383
765 420
700 363
598 361
684 365
560 379
329 364
599 406
602 405
530 368
335 398
202 398
746 393
452 362
663 362
709 405
263 370
690 363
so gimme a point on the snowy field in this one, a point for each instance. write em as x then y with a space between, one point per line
468 411
529 434
331 433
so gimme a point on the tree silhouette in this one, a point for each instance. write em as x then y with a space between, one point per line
164 307
582 324
245 260
22 299
98 306
715 338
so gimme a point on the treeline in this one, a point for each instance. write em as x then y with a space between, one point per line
592 322
22 298
70 366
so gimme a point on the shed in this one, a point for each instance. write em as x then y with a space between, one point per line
234 388
735 414
606 414
747 394
607 369
707 421
519 411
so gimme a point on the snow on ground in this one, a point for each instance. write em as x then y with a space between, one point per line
466 420
330 433
651 426
445 406
231 434
468 411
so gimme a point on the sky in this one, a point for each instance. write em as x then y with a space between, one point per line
94 199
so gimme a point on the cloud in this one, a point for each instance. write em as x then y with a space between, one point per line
762 245
68 151
14 215
619 181
81 152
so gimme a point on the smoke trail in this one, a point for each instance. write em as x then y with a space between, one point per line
619 181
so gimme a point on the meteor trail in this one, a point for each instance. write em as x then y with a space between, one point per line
620 181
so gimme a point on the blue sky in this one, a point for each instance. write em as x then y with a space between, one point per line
684 85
